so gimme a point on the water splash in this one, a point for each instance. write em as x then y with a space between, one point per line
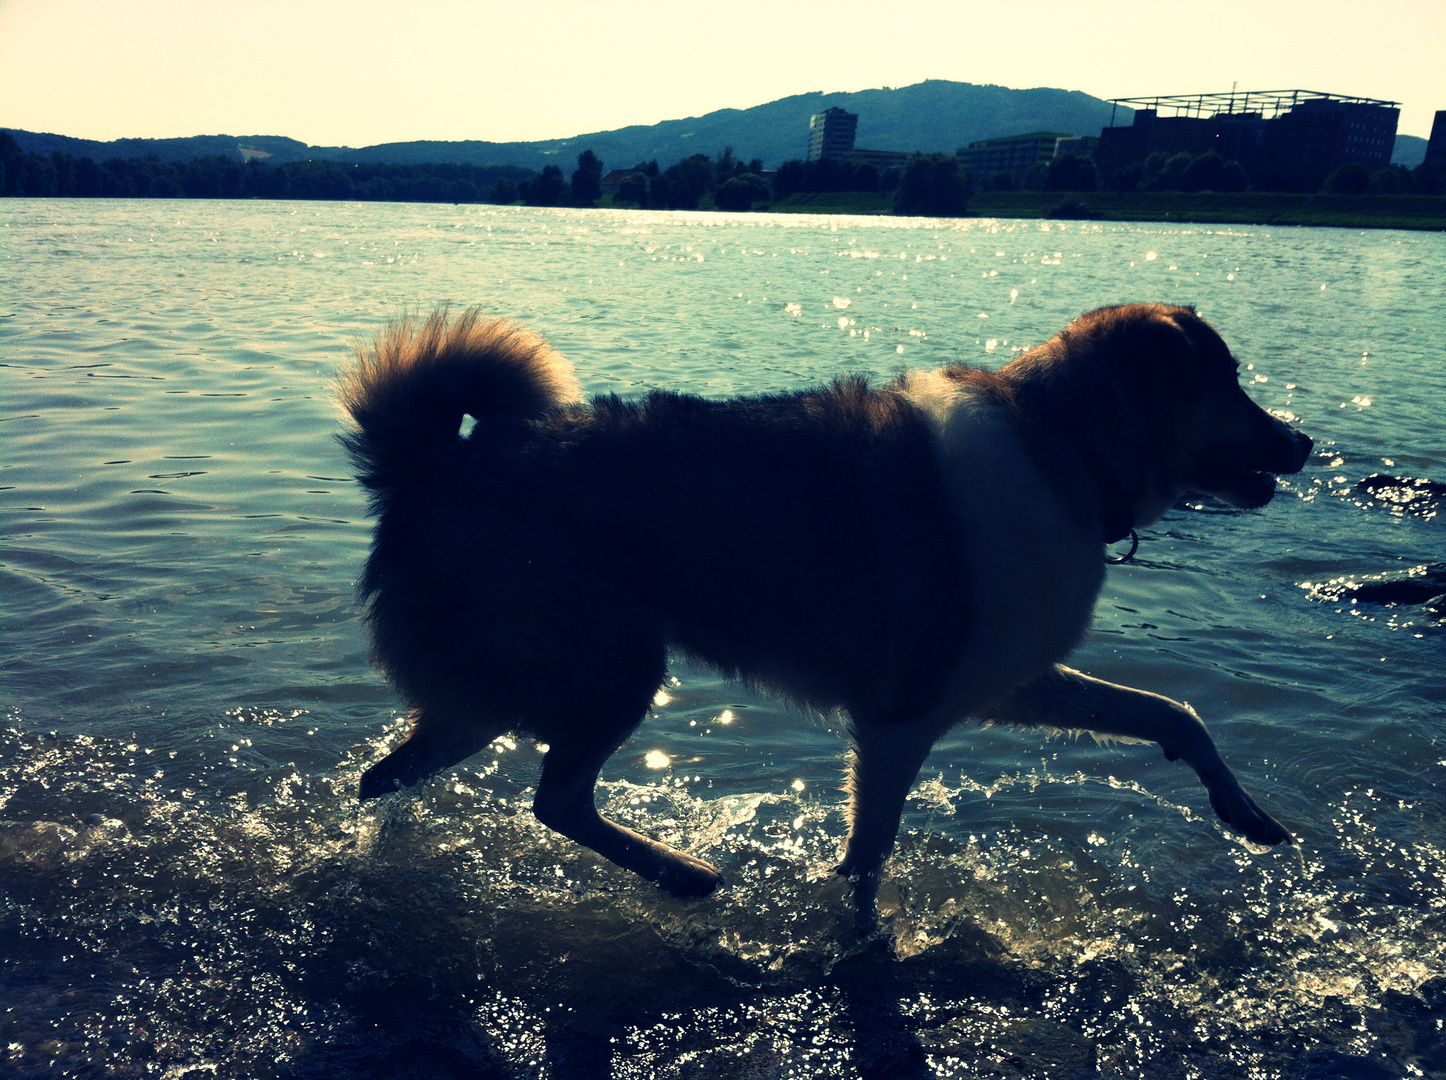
285 930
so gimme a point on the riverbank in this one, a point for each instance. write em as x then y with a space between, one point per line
1243 208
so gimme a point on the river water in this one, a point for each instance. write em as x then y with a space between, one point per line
188 886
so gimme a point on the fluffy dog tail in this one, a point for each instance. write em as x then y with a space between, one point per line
409 391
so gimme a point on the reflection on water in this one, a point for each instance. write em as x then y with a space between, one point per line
189 887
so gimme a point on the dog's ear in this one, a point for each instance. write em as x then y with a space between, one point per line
1164 354
1150 347
1212 357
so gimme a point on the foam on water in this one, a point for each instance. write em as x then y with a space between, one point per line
272 926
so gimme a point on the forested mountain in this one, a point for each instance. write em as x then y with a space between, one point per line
935 115
273 148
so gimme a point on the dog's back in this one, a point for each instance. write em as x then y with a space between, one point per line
531 575
797 541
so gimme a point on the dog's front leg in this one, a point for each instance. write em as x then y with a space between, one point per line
884 759
565 802
1066 698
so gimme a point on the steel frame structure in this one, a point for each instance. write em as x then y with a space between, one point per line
1267 103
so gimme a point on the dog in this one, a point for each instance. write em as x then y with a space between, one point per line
907 555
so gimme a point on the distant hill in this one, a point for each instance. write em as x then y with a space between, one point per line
1410 151
928 116
935 115
271 147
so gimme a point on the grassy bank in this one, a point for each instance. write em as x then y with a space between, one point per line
833 202
1245 208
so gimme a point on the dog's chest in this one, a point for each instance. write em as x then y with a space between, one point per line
1034 569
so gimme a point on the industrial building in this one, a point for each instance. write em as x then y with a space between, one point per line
1286 140
1436 148
1014 154
881 160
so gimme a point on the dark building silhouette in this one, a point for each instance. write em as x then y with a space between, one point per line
831 134
1287 140
880 159
1436 148
1011 154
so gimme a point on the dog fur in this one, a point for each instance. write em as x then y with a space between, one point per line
912 555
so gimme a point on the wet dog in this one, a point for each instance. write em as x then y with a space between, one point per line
912 554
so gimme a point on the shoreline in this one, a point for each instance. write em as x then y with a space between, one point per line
1416 212
1421 213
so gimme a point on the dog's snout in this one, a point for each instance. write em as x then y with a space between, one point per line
1278 447
1307 444
1304 444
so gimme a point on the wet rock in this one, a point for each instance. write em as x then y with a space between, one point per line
1432 993
1407 494
40 845
1424 585
1427 999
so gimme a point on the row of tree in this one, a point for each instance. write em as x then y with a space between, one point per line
733 185
63 174
1186 172
929 184
1183 171
1211 172
1395 180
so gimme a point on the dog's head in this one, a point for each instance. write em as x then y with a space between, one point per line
1227 445
1151 397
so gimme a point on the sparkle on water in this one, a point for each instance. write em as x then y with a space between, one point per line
189 887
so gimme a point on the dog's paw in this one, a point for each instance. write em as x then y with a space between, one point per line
375 783
865 895
683 875
866 904
1238 810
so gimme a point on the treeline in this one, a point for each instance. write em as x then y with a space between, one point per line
62 174
931 184
731 184
1210 172
927 184
1394 180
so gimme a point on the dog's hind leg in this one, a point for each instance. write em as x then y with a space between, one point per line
434 744
884 759
1066 698
565 801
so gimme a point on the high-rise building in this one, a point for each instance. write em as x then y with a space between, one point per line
831 134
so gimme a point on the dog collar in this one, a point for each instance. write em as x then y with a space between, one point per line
1127 556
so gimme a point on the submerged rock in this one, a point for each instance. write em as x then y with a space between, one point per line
40 845
1406 494
1424 585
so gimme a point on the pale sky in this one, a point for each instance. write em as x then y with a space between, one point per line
360 72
